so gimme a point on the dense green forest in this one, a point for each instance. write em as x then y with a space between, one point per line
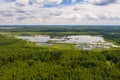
22 60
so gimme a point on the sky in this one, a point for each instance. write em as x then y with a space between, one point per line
60 12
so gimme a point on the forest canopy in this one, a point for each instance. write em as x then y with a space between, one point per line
22 60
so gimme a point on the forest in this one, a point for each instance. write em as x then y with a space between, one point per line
23 60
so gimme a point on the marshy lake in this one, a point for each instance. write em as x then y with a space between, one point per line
82 41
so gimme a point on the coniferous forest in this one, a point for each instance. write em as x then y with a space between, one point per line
23 60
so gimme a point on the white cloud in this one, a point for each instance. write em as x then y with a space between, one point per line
73 1
42 2
22 12
22 2
101 2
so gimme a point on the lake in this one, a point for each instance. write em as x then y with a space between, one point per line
80 40
65 39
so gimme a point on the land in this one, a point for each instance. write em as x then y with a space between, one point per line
24 60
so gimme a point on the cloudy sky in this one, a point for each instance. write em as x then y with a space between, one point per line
60 12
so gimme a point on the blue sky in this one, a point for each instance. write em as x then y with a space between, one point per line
60 12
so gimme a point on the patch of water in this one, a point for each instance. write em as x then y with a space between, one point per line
81 41
38 39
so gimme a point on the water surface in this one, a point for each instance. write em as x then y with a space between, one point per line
82 41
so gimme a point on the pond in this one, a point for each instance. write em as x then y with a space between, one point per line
65 39
81 41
